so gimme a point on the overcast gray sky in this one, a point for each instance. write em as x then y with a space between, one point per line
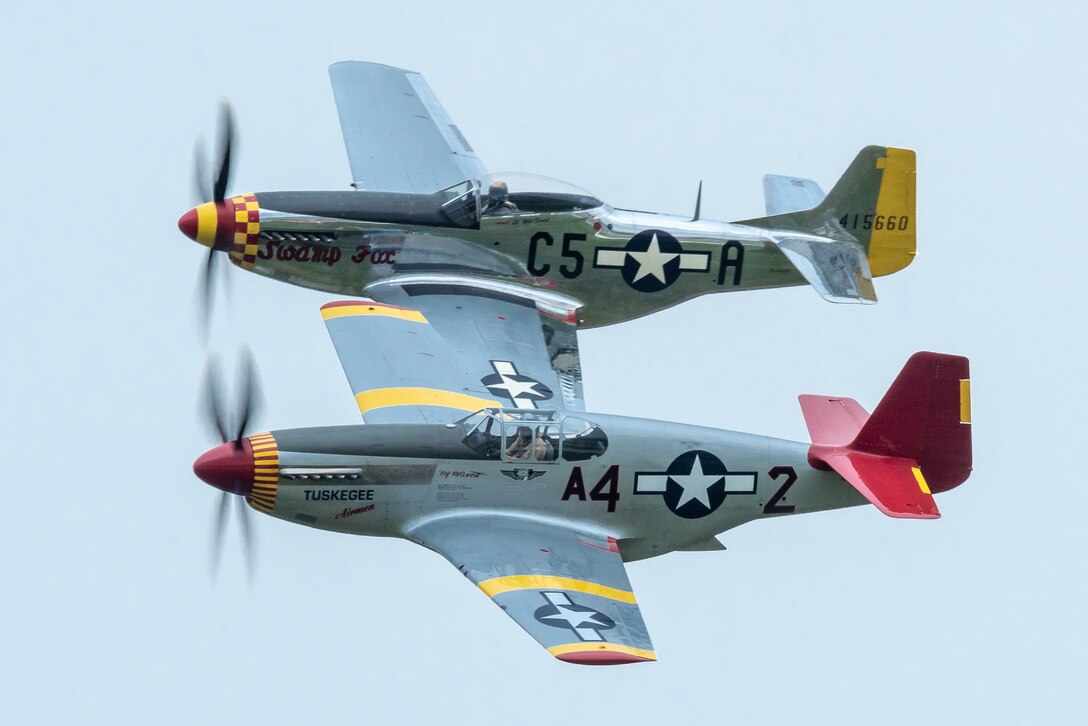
106 610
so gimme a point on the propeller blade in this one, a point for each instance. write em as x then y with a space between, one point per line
206 293
226 141
201 188
248 552
212 401
220 526
249 394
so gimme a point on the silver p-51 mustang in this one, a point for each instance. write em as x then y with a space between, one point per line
424 206
476 446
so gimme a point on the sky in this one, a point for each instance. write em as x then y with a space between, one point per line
107 610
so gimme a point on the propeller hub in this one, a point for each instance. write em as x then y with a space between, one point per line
210 224
228 467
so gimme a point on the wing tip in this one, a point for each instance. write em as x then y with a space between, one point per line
602 654
604 657
351 308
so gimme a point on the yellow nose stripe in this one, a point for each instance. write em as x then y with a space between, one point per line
206 221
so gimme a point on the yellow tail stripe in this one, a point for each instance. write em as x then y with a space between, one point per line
386 311
892 247
498 585
920 479
558 650
965 400
385 397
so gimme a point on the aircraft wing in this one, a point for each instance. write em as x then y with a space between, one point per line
432 349
398 136
568 590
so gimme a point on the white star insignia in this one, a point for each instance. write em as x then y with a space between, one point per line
574 618
516 389
696 485
652 261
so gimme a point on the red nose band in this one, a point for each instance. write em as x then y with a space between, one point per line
227 467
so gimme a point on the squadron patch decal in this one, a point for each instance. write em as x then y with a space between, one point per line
523 474
506 382
652 260
695 484
562 612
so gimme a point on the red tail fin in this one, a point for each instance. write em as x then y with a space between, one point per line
917 441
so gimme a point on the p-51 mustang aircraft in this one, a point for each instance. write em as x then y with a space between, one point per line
426 208
476 446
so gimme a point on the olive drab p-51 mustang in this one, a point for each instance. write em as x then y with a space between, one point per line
476 445
424 206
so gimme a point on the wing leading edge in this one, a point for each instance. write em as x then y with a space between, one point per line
568 590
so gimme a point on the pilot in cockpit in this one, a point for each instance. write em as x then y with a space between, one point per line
498 199
526 446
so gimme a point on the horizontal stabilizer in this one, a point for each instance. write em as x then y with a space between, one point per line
836 269
832 421
784 194
920 430
895 486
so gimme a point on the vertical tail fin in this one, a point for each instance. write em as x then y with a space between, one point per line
916 442
926 416
873 203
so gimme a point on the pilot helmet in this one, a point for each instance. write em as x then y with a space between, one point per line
498 191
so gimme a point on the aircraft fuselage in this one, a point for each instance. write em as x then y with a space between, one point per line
656 487
614 264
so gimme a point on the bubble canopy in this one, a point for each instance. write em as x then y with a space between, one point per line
534 193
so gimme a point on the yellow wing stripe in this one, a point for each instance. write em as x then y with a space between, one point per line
385 397
498 585
965 400
558 650
387 311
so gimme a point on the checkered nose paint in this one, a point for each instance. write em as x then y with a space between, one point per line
232 225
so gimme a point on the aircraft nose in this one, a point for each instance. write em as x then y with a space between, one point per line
189 224
227 467
207 223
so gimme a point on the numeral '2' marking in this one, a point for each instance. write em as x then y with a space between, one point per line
773 506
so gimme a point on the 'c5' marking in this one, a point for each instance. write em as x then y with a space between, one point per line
266 472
